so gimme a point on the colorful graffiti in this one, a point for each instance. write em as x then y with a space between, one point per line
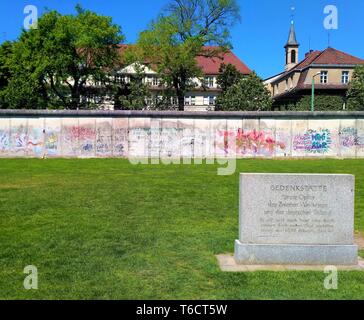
19 139
349 138
4 141
77 132
249 142
78 139
35 140
120 141
104 139
313 141
174 138
51 143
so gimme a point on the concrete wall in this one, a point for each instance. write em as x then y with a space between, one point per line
180 134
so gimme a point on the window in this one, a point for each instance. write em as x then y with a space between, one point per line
293 56
324 77
187 101
118 78
122 79
174 101
212 100
149 102
155 81
345 77
193 101
149 80
209 82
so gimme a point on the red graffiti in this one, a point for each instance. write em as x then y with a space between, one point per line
81 133
249 142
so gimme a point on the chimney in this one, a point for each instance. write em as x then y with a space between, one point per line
307 53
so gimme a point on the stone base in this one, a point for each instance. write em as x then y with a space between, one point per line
269 254
227 263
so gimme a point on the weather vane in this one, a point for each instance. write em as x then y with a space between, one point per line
293 9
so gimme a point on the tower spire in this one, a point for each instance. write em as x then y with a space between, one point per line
292 39
292 45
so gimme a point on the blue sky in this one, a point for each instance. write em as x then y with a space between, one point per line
258 40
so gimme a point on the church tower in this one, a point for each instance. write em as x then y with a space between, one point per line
291 49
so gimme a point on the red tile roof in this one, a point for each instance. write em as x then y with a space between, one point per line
211 65
329 56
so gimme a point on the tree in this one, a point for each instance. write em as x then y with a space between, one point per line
228 76
5 54
57 60
133 94
248 94
173 41
356 90
323 102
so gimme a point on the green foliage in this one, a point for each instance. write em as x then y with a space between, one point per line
134 94
322 103
356 90
57 60
175 62
228 76
173 41
248 94
5 54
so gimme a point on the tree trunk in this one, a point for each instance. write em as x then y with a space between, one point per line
181 101
75 97
179 84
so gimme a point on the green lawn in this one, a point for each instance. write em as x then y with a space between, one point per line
105 229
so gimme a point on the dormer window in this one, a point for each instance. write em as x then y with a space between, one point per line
209 82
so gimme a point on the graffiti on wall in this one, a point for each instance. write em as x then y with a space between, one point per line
313 141
86 138
51 143
35 140
104 139
349 138
120 141
19 139
253 142
174 138
78 139
4 141
170 142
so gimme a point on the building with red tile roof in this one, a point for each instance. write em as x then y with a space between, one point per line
331 70
211 65
203 96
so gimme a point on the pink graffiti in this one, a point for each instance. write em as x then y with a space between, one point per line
81 133
250 141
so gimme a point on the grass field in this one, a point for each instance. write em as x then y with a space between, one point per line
105 229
